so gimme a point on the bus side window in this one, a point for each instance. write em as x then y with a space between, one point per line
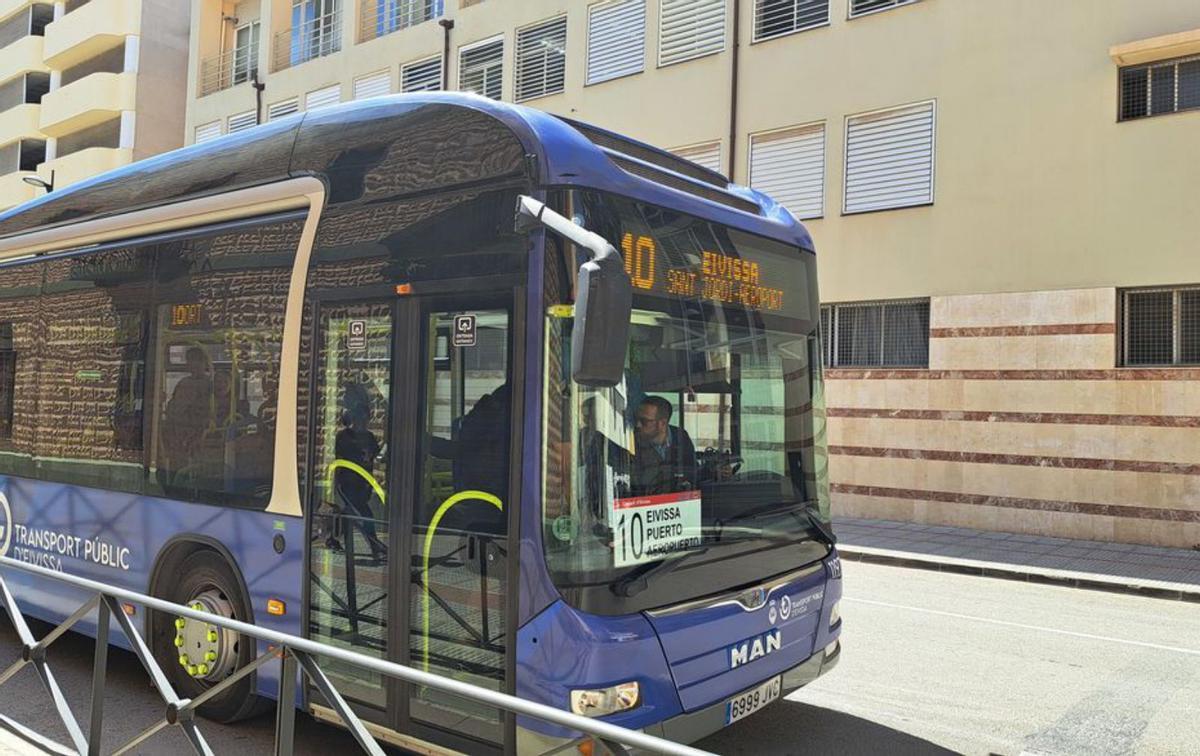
219 310
91 373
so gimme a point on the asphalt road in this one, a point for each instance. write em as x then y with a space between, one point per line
932 663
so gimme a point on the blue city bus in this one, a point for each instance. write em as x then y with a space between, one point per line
321 377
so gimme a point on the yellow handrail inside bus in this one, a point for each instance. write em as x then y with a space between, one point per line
345 464
433 525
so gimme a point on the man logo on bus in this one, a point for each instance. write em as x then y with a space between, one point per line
5 525
755 648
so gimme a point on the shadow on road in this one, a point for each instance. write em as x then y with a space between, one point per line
790 727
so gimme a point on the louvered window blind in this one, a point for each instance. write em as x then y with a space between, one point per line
863 7
242 121
789 167
541 59
208 131
707 155
421 76
690 29
889 158
481 68
616 44
283 108
372 85
323 98
775 18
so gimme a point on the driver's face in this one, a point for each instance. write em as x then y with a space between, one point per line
650 427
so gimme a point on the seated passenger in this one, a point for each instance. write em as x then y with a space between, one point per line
665 458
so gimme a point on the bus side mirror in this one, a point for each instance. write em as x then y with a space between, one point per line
603 305
603 301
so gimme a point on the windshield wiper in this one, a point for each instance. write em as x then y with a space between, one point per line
814 522
637 579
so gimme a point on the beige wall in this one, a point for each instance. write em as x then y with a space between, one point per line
162 71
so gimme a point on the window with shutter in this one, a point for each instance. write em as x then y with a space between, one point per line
889 158
789 167
541 59
242 121
864 7
421 76
707 154
775 18
208 131
616 44
323 98
372 85
283 108
1161 326
690 29
877 334
481 68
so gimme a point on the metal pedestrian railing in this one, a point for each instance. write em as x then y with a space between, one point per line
294 655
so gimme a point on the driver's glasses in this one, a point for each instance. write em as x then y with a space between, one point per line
646 422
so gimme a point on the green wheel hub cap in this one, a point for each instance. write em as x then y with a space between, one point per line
206 651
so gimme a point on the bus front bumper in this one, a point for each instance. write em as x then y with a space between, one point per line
688 728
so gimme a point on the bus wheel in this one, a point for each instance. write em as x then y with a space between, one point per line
198 655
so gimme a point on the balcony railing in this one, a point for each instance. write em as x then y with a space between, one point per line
228 69
307 41
377 18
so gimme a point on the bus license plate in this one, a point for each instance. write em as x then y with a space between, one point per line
747 703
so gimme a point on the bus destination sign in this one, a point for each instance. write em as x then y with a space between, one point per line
718 277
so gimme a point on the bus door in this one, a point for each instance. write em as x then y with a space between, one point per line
409 534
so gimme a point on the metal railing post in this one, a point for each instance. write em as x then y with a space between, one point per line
285 711
99 678
338 704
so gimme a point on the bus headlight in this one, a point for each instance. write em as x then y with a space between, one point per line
835 614
598 703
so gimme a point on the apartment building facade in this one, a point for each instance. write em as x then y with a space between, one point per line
1001 195
87 86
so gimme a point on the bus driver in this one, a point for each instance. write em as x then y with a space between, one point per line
665 458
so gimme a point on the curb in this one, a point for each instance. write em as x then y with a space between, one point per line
1087 580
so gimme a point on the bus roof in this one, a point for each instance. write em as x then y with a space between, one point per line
561 152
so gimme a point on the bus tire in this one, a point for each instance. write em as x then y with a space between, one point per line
186 651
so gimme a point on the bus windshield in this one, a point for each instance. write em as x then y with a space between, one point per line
707 461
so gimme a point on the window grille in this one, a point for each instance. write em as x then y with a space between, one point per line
283 108
481 68
616 44
208 131
421 76
373 85
775 18
889 158
1165 87
789 167
323 98
541 59
876 334
690 29
707 155
1161 326
863 7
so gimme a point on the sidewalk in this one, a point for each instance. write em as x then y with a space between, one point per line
1147 570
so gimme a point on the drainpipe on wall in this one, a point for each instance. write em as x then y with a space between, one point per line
447 24
733 89
259 86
